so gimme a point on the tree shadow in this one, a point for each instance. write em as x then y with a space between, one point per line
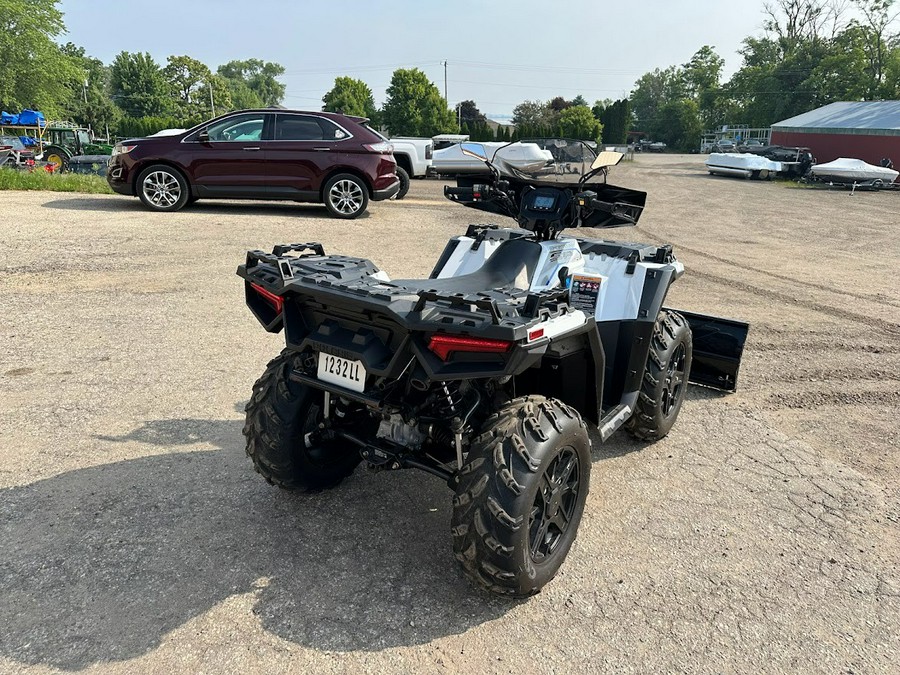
212 207
100 563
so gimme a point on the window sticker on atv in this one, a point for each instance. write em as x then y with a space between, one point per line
585 291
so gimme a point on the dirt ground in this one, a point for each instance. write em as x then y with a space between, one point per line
761 535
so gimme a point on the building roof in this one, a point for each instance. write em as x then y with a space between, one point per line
848 117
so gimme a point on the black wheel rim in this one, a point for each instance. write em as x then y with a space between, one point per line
554 504
674 382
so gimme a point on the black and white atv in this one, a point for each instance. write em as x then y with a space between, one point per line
485 373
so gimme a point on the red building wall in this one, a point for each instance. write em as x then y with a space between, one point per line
827 147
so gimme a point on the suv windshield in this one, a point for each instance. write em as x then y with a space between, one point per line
549 160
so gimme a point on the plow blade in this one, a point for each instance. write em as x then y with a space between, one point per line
718 347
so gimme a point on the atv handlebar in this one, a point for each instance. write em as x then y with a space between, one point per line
478 192
459 192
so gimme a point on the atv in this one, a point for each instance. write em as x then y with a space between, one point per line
486 373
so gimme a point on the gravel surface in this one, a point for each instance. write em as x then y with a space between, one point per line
761 535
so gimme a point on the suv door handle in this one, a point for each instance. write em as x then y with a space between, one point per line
250 149
325 149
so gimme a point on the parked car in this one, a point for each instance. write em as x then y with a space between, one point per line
270 153
414 156
13 151
725 145
656 146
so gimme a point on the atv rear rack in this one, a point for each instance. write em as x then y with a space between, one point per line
534 303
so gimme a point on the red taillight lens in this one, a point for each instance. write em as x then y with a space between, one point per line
382 148
274 300
444 345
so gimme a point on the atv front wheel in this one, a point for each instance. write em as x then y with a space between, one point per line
521 495
281 418
665 378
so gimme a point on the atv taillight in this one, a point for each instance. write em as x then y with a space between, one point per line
274 300
444 345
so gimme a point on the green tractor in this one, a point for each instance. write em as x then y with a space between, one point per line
62 141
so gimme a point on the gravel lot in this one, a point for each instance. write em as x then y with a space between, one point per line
761 535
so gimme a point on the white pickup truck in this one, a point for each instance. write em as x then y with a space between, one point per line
413 157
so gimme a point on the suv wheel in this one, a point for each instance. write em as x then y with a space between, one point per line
404 182
346 196
162 188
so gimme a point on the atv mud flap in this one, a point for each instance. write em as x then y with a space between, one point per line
718 347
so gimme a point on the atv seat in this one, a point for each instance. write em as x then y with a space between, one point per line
512 265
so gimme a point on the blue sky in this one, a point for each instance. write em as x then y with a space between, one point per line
499 53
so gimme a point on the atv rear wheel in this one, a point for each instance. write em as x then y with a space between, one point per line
665 380
521 495
281 418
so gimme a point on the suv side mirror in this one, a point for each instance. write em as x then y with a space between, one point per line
203 136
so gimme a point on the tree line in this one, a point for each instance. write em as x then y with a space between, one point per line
811 53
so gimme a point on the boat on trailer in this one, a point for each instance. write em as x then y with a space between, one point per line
846 171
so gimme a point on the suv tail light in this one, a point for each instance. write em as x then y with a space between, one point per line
444 345
382 148
429 151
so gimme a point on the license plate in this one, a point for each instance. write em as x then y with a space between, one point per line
342 372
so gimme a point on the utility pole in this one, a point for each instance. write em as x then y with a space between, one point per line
446 100
84 91
212 104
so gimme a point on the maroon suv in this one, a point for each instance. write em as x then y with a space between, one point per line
260 154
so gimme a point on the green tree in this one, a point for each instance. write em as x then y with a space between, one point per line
88 100
260 77
196 91
878 15
616 120
34 71
467 111
678 124
138 85
578 121
415 107
351 97
702 82
242 96
579 100
531 114
654 90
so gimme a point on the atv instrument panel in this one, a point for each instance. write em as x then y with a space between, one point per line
543 203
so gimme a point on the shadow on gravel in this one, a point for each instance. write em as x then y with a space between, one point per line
99 564
230 208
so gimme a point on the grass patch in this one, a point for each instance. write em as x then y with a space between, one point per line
13 179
